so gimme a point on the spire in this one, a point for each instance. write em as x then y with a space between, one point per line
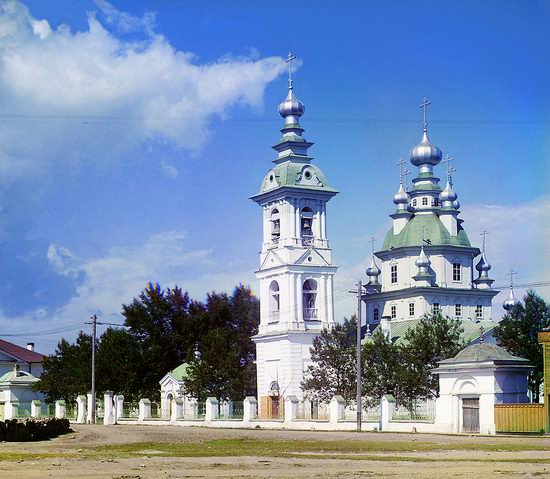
511 300
291 109
425 155
483 266
401 198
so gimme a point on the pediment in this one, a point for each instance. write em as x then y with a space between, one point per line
272 260
312 257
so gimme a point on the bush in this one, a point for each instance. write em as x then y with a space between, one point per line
33 430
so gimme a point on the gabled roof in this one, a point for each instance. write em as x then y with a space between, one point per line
19 353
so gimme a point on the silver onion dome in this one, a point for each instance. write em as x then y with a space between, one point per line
483 266
425 153
510 301
373 270
291 106
401 197
448 193
422 261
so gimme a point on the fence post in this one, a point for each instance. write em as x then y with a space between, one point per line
60 409
81 409
10 410
89 408
144 409
108 412
250 408
211 412
337 408
119 406
291 408
387 406
36 408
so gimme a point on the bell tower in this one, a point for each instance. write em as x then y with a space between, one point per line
296 271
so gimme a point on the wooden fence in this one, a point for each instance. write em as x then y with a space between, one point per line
520 417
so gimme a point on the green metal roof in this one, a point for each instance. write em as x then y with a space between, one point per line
411 234
21 377
180 373
483 352
291 173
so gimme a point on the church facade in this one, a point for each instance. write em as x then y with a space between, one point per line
296 270
427 262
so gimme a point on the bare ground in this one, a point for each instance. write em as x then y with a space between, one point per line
86 453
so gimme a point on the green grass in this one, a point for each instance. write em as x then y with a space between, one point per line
26 456
286 448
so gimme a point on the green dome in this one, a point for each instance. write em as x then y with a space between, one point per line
294 174
435 231
21 377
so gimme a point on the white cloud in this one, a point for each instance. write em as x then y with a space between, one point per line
90 96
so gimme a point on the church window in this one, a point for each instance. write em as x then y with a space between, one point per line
376 315
309 298
393 312
414 202
457 273
424 201
274 305
393 273
435 202
479 311
411 309
275 226
437 308
458 310
307 226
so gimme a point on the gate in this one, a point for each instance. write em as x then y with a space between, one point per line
522 417
470 415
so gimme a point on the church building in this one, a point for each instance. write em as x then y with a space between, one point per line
427 262
296 270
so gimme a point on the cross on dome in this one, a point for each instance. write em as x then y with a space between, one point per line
484 233
372 241
450 169
424 105
481 331
403 172
511 274
289 60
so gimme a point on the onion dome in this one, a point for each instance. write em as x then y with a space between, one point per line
422 261
448 193
425 153
291 106
373 271
456 204
401 197
483 266
510 301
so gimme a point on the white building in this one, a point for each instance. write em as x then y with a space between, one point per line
427 260
17 394
172 390
296 271
27 358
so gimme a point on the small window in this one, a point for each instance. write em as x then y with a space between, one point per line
393 312
309 289
274 305
457 273
376 315
424 201
435 202
394 273
275 226
307 226
411 309
458 310
437 308
479 311
414 202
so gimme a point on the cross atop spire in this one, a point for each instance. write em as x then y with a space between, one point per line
372 241
289 60
450 170
424 105
511 274
484 233
481 331
403 172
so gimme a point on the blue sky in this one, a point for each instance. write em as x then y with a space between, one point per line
133 132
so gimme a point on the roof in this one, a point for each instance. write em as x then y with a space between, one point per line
20 353
411 234
20 377
180 372
483 352
471 329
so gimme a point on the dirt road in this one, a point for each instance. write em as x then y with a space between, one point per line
131 452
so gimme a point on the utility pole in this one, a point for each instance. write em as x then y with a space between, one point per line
94 324
358 398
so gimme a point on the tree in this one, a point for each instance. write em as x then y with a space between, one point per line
334 363
224 366
518 334
381 367
433 339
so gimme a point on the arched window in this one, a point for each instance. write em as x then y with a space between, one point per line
275 226
309 290
306 218
274 302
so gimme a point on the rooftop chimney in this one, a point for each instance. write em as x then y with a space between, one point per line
30 346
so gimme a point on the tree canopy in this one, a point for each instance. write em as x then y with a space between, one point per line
518 334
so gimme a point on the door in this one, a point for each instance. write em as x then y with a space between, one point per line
470 415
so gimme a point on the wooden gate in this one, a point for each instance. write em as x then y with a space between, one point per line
470 415
521 417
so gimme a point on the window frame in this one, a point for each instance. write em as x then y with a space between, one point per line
393 311
479 311
436 307
411 309
458 310
393 273
457 272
